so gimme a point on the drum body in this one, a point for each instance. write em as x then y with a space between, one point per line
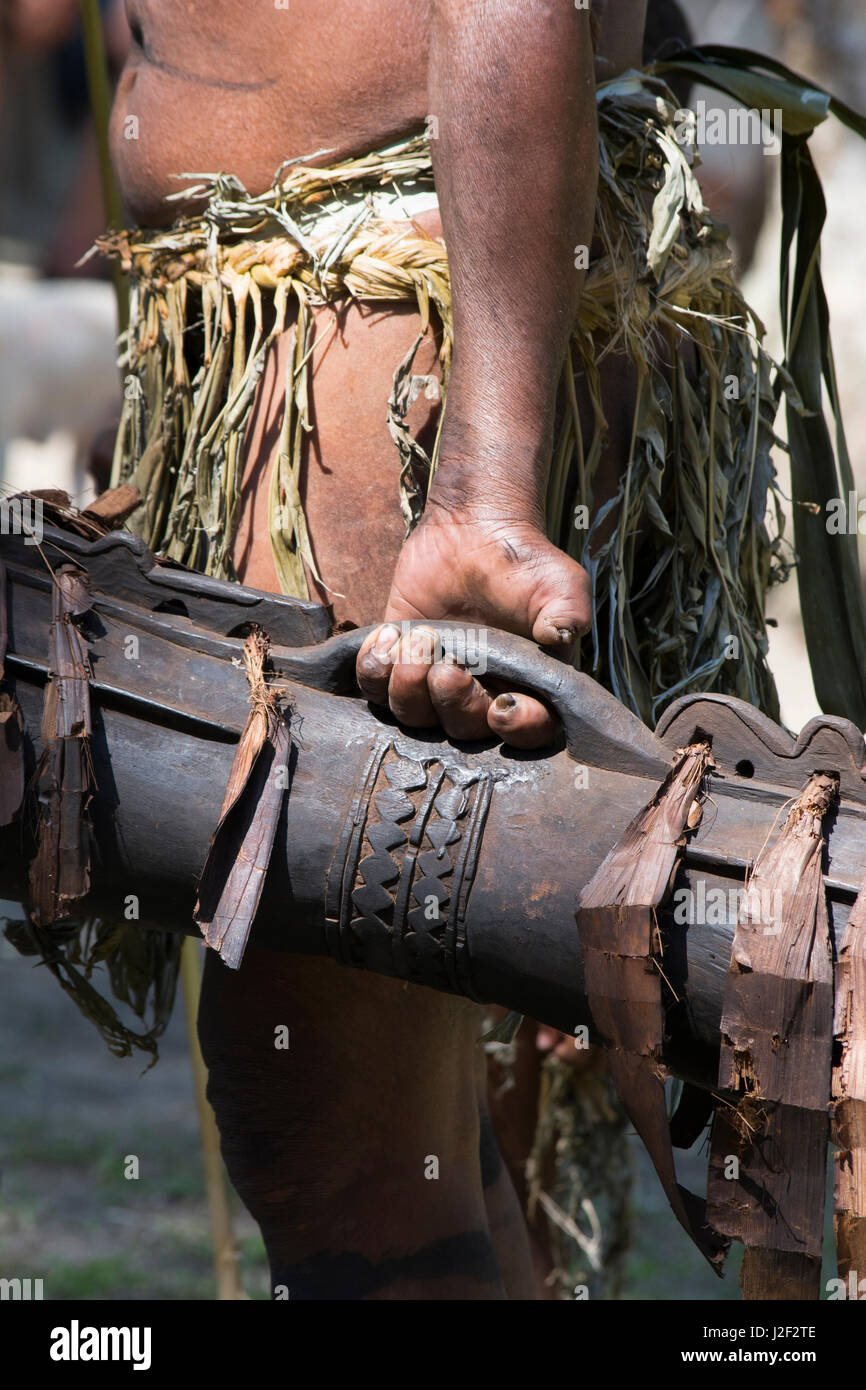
457 867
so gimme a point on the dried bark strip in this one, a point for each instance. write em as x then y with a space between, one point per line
60 871
622 959
112 507
108 512
776 1056
11 727
848 1108
240 850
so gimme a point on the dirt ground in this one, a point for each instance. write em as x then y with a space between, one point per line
71 1115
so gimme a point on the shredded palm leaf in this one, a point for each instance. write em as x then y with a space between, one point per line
827 572
679 583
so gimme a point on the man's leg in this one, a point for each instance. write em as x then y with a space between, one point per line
358 1148
508 1230
355 1148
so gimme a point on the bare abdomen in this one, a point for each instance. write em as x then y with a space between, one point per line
255 85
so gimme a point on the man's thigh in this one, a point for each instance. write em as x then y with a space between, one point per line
350 471
357 1147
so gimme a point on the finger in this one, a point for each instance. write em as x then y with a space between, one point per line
461 704
375 663
565 613
521 721
408 694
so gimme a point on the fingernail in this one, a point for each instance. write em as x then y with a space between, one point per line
385 640
422 644
504 703
565 634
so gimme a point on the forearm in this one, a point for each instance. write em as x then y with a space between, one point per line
511 86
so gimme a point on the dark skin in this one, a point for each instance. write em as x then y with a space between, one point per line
480 552
327 1143
515 156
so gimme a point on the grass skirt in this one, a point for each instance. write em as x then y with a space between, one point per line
679 584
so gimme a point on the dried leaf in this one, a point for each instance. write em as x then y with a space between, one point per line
619 939
113 506
60 871
849 1095
768 1157
240 849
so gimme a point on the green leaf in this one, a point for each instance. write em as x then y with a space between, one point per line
747 57
828 574
803 105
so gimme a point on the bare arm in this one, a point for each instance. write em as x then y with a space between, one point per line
511 86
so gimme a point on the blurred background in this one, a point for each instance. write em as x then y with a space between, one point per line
67 1213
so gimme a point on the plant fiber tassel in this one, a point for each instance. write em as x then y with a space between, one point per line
60 871
769 1147
848 1108
622 958
240 850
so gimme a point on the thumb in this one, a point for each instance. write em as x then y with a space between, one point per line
564 610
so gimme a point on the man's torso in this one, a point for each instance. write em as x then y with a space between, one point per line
237 87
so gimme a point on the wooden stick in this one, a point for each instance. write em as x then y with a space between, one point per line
224 1252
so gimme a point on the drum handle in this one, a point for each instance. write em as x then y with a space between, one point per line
599 730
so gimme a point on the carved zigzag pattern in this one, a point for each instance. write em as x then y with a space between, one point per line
427 921
410 823
393 806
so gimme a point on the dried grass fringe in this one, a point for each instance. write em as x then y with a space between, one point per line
210 295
